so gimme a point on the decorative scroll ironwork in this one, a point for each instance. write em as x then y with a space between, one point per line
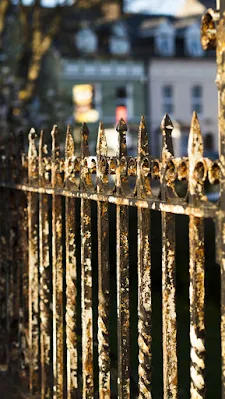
56 177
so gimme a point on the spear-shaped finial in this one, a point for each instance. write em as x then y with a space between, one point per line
167 144
40 150
84 132
142 184
32 155
195 142
69 147
32 151
195 152
121 128
143 145
101 141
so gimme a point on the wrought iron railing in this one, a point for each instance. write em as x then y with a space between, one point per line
42 293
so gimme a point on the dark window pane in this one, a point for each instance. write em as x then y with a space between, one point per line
167 91
121 92
197 91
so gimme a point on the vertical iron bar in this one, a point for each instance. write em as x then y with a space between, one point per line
220 55
3 283
33 268
196 292
86 274
71 279
103 272
57 277
197 260
123 314
170 368
144 270
45 287
24 290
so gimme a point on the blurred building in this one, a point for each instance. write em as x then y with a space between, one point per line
181 78
102 77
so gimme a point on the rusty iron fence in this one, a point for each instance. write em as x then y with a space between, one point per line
38 255
33 285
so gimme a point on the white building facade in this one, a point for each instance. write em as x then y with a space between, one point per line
178 87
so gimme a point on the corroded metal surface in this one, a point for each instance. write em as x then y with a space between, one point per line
86 274
170 370
57 275
103 273
123 315
220 240
71 277
45 287
33 268
45 180
197 289
144 270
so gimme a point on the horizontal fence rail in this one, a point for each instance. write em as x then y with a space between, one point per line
43 196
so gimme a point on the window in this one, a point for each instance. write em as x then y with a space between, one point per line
196 99
167 99
121 95
86 41
165 44
165 39
192 41
119 45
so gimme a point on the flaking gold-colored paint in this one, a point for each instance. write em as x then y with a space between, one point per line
33 272
197 295
170 368
57 277
144 271
103 273
58 177
122 248
45 285
86 275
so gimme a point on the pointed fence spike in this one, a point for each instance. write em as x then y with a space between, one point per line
55 146
40 146
69 147
54 131
166 123
121 126
143 144
40 149
101 149
195 142
167 143
32 151
84 132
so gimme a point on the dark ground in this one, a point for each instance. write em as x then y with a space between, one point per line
9 390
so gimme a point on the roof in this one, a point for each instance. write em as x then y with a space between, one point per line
168 7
